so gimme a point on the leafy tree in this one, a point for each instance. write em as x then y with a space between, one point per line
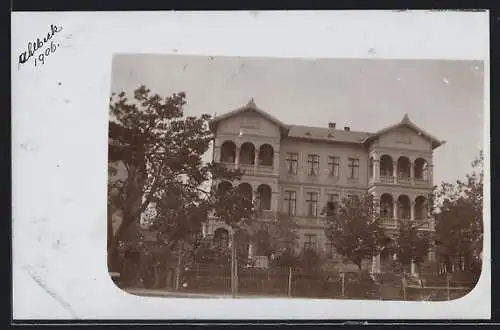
459 219
162 151
287 258
411 243
309 260
276 237
354 228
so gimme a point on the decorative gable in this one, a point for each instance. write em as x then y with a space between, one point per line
404 134
248 120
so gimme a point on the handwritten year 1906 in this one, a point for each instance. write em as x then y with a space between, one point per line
47 52
35 48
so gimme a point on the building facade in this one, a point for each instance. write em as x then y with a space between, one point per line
297 169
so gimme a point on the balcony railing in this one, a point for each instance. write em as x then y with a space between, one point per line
389 179
389 223
421 182
404 180
251 169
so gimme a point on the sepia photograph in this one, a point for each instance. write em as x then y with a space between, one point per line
321 178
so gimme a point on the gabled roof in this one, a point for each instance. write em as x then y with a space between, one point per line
406 122
326 134
249 107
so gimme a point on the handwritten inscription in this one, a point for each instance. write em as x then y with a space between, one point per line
40 48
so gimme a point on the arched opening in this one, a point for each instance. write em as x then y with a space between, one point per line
221 237
420 208
228 152
386 206
404 167
264 197
420 169
224 187
247 154
246 190
386 166
404 207
266 155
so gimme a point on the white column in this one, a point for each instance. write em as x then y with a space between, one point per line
250 250
376 201
431 174
255 200
256 159
274 200
395 171
237 158
413 268
412 210
376 170
204 229
395 209
276 161
412 171
376 264
216 151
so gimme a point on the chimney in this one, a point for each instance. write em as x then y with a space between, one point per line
331 125
347 128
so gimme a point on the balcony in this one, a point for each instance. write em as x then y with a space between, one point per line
385 179
251 169
389 223
402 181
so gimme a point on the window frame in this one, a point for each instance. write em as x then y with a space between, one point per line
310 244
312 164
334 164
292 160
310 202
353 164
289 200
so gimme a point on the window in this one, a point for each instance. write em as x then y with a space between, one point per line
334 165
290 202
313 164
334 198
353 168
312 204
332 203
291 162
310 242
329 247
353 198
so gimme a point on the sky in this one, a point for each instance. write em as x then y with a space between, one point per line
443 97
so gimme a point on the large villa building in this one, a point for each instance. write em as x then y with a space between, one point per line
298 169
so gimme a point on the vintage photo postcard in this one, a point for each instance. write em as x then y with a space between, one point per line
264 183
330 181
